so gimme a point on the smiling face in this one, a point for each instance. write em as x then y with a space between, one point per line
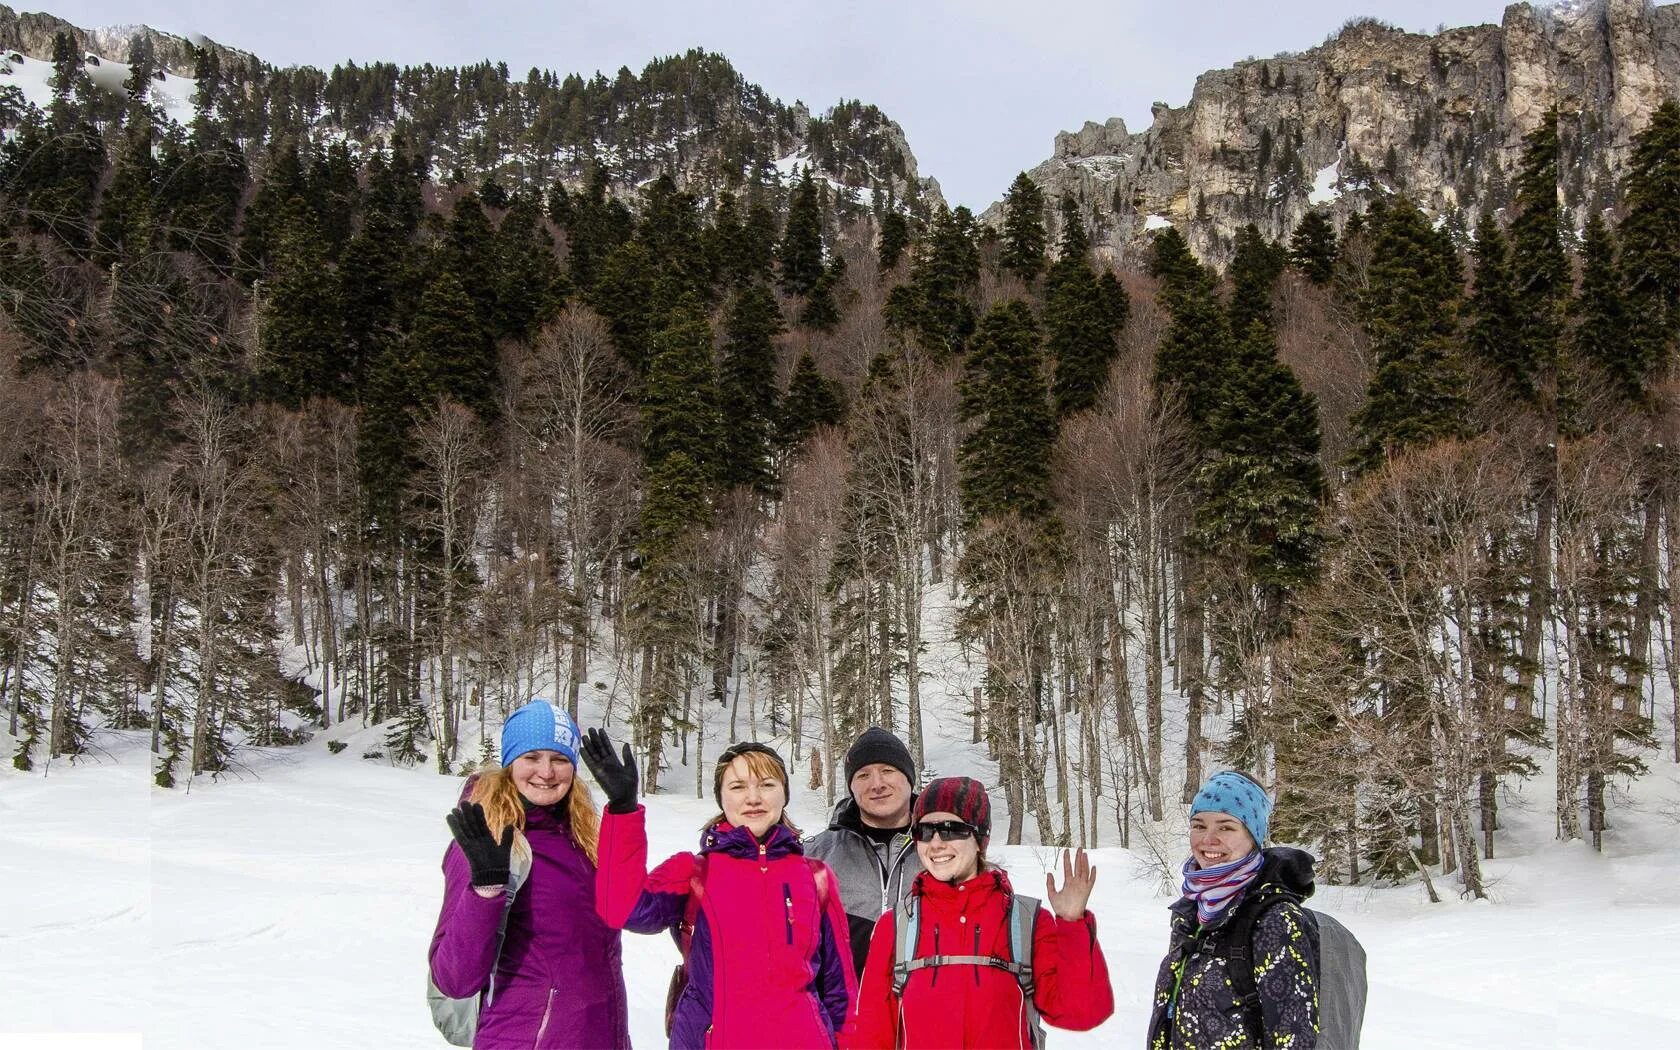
1218 838
543 777
883 795
752 800
951 862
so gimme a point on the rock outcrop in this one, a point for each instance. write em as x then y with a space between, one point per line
1439 117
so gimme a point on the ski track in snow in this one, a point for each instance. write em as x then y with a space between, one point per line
292 906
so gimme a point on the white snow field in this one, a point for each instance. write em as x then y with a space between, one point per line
291 906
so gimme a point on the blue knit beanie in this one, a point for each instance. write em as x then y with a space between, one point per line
1236 794
539 726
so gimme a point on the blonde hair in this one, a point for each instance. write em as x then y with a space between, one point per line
760 764
495 791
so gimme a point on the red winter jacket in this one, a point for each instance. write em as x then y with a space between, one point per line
977 1006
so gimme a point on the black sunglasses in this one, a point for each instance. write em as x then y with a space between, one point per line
947 830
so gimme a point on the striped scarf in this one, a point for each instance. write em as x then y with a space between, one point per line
1213 888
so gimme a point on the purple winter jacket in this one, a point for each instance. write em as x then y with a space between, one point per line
560 978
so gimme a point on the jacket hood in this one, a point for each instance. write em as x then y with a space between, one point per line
731 841
848 815
1285 869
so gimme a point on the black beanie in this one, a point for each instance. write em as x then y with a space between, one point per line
877 745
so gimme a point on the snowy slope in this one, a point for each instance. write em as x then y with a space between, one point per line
291 907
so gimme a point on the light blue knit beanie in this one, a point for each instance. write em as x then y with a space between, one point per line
539 726
1232 792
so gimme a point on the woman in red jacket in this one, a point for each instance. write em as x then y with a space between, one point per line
957 988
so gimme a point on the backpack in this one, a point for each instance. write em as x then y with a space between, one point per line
1023 913
457 1019
1340 972
684 931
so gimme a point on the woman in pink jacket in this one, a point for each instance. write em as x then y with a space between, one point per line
768 962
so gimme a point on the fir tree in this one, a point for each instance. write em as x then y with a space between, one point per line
627 294
450 351
895 238
801 250
529 285
1004 462
1075 240
748 387
302 331
1649 235
680 405
1409 311
1539 268
1190 363
1261 489
1491 333
937 304
813 400
1081 320
1312 249
469 253
1023 229
1604 332
1255 268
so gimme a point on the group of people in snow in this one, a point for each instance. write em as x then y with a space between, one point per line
888 929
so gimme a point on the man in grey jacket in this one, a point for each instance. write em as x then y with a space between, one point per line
868 840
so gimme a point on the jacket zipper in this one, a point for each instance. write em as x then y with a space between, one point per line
548 1007
787 900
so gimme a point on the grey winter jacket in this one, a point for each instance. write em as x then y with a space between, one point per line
873 878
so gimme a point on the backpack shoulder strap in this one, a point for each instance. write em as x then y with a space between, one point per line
1023 917
519 872
691 907
906 927
1234 943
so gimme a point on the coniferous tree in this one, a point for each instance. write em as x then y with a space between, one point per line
801 250
680 404
1190 363
627 293
820 310
1312 249
1648 235
813 400
302 332
1409 312
1023 229
747 383
530 288
1082 316
936 304
1539 268
1075 240
1255 268
895 238
1604 331
1491 333
450 350
469 253
1005 460
1260 492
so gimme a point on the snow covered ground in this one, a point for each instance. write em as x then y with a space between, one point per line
291 907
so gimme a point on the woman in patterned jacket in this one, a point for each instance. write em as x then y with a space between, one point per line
1230 882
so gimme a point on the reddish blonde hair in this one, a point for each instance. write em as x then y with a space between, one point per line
760 765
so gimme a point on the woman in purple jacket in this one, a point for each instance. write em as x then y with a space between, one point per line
559 979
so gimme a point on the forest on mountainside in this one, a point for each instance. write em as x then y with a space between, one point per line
1389 511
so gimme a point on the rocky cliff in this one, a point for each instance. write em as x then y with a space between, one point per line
1440 117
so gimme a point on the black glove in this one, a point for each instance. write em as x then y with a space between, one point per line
489 858
616 776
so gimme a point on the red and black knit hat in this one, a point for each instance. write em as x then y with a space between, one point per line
963 796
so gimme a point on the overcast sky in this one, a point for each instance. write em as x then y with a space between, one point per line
980 86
